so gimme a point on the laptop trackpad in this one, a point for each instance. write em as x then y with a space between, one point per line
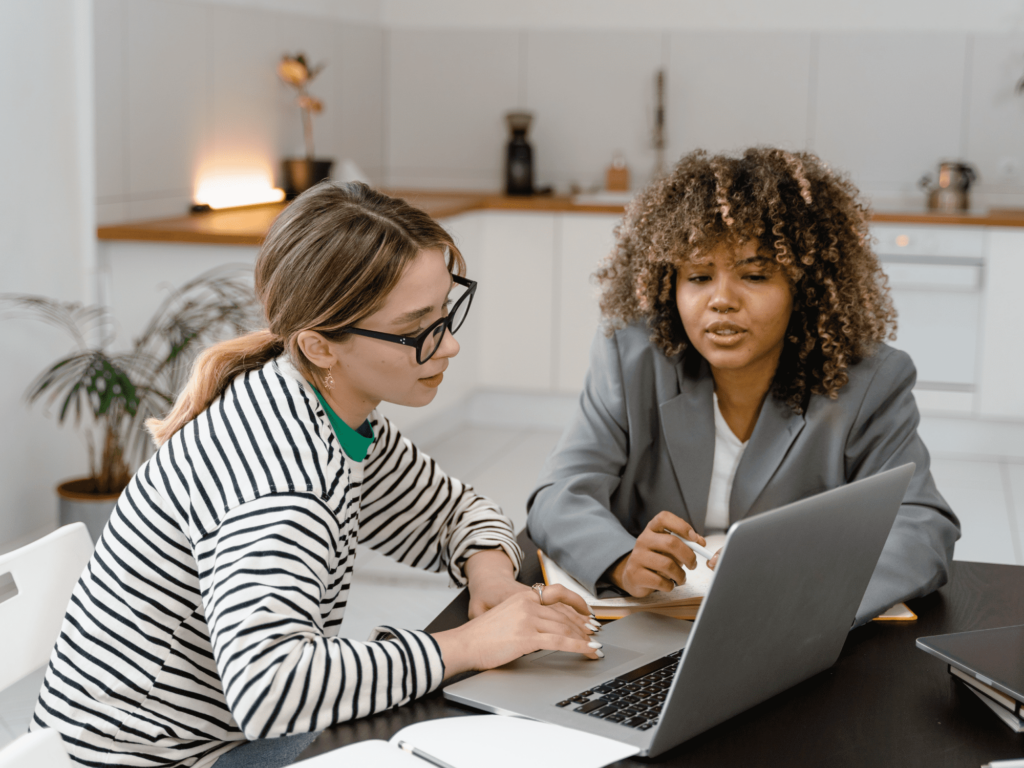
570 663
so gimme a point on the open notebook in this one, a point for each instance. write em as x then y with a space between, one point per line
681 603
495 741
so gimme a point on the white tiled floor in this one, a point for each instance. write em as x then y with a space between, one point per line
986 492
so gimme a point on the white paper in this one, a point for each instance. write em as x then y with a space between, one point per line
364 754
497 741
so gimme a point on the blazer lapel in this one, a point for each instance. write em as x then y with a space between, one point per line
776 429
688 424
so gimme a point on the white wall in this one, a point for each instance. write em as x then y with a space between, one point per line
185 89
983 15
886 106
416 92
45 207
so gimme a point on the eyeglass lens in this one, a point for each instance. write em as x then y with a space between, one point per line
433 341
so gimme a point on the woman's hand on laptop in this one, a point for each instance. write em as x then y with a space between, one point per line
657 560
518 626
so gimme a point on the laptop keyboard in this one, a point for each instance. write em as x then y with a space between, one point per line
634 699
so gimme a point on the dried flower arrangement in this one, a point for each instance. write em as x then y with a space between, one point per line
297 73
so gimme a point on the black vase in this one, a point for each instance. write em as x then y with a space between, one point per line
300 175
519 156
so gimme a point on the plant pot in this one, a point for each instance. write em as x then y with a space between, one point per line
79 503
300 175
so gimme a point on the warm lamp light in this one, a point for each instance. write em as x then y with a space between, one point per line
232 190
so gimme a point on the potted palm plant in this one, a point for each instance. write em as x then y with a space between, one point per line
302 173
108 395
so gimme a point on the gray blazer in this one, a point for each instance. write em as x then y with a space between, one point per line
642 440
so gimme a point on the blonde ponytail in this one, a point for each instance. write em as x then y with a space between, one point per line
330 258
212 371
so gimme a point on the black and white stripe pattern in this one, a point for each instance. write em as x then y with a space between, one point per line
210 610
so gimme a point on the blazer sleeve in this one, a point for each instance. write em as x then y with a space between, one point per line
415 513
918 552
570 514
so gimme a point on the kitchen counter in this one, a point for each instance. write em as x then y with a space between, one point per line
248 225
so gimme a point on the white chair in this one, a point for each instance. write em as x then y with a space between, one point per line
39 749
35 587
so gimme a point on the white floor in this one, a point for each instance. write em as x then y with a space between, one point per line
985 490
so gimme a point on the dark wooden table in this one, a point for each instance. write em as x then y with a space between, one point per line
884 703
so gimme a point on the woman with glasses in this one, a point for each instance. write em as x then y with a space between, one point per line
205 628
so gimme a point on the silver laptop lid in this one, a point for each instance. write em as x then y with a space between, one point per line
785 594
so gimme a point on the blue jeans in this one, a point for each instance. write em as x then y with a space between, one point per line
267 753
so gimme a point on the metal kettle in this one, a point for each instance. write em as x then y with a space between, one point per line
952 191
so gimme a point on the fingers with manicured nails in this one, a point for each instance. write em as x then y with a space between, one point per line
515 627
587 623
547 627
560 643
558 593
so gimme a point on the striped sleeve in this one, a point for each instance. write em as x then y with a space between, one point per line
415 513
264 575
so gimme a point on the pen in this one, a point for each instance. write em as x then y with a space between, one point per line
1004 764
405 746
705 553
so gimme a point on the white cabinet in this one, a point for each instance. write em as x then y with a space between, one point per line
1001 390
584 240
536 307
936 281
516 300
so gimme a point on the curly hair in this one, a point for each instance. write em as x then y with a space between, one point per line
802 215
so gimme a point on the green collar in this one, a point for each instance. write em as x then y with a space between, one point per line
354 442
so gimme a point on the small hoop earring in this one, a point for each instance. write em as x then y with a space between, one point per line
329 380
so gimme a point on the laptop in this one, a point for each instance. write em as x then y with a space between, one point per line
767 623
993 657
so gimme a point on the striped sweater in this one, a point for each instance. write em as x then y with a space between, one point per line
210 610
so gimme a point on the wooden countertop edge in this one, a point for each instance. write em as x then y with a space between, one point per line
994 219
201 228
139 233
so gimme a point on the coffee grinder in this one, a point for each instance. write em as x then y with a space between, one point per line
519 158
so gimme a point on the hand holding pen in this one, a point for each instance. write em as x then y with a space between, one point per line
707 554
658 558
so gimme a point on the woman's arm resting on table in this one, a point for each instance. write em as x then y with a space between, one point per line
916 556
264 575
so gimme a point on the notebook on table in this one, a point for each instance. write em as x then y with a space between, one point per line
683 602
763 627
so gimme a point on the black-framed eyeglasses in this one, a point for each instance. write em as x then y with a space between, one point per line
428 342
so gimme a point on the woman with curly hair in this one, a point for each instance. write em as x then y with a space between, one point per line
743 367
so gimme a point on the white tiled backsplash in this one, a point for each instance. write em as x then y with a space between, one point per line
180 85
